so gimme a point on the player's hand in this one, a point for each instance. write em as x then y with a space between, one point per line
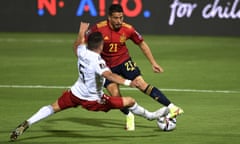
157 69
83 27
134 84
81 34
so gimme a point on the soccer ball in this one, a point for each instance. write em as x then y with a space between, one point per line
167 124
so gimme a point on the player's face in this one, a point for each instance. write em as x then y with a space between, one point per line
116 20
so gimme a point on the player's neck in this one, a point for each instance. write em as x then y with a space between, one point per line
98 51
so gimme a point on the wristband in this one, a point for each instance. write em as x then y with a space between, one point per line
127 82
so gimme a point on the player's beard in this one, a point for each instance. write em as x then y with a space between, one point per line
117 26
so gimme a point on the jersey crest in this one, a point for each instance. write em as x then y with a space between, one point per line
123 38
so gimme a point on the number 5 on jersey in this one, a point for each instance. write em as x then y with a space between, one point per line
81 67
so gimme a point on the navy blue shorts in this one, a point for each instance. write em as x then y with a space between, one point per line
127 69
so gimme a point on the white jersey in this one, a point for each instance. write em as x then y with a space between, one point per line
89 85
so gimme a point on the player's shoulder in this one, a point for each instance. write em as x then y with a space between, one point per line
101 24
127 26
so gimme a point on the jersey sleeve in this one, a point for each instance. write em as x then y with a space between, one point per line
81 49
101 66
135 36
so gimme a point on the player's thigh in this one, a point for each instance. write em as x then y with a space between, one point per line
67 100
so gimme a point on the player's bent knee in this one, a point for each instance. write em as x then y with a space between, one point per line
128 101
132 101
56 107
141 83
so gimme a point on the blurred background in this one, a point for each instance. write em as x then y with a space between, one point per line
165 17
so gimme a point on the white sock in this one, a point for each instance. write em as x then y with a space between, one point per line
43 112
140 111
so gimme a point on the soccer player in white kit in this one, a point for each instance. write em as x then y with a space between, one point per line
88 89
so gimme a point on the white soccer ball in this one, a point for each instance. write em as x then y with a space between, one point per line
167 124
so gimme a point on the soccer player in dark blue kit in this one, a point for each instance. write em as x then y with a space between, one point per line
115 53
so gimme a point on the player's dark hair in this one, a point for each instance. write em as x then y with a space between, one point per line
95 39
115 8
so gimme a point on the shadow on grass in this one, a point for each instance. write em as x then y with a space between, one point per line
88 133
96 122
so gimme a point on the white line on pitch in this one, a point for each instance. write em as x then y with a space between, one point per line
124 88
34 86
34 40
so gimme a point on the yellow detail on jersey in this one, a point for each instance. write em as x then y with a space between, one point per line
123 38
101 24
127 25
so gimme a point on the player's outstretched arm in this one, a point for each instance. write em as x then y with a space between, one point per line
118 79
147 52
83 27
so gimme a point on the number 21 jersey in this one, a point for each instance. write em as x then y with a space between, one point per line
115 50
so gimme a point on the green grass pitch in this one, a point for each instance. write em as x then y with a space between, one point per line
202 75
